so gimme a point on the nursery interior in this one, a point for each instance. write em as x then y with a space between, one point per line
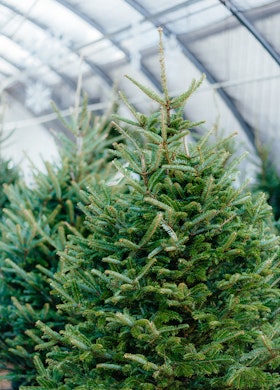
139 194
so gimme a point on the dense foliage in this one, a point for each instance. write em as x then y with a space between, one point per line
177 282
35 224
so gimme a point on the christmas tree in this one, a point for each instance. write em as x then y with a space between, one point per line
177 282
35 224
9 173
268 181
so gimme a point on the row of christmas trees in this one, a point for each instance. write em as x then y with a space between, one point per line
135 263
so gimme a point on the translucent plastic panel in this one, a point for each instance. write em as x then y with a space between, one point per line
233 55
6 68
162 5
259 104
12 51
40 49
5 16
111 15
32 38
73 66
141 36
33 140
249 4
102 52
57 18
269 27
195 16
250 75
33 67
26 6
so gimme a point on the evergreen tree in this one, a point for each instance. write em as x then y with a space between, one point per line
268 181
9 173
34 228
177 281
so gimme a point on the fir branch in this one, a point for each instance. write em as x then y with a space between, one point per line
23 310
140 359
48 331
157 203
109 366
154 179
54 179
53 215
151 230
146 268
130 107
184 168
149 92
61 292
128 244
124 133
162 68
126 120
118 276
34 224
169 230
155 252
130 181
181 100
28 277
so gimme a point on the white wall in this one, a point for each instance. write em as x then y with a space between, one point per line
32 142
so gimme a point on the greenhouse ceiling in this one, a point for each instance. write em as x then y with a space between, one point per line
46 45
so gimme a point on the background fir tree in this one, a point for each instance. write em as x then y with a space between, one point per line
177 282
35 225
9 173
268 181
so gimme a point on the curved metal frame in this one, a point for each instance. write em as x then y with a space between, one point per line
65 78
98 27
249 26
167 31
104 76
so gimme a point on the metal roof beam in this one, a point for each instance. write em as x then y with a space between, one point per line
100 28
97 69
229 4
15 91
64 77
93 23
225 97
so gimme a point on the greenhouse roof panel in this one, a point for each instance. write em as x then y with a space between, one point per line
236 43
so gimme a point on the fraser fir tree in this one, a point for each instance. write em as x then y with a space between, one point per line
268 181
34 228
177 282
9 173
